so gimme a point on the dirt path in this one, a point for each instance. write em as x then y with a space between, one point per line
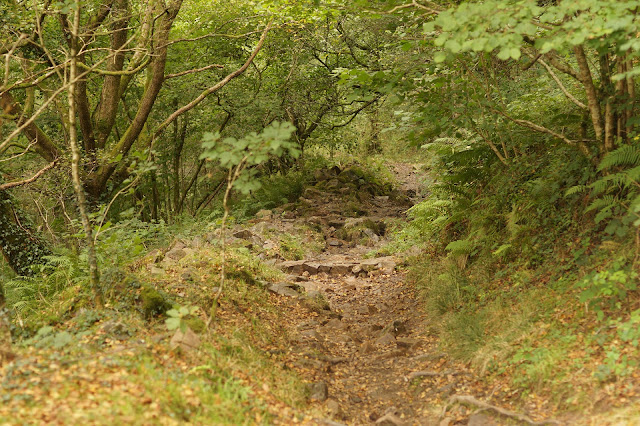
370 358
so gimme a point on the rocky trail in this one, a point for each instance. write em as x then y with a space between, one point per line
359 334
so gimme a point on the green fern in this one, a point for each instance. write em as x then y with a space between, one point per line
626 155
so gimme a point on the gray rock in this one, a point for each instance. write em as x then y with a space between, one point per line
187 341
284 289
334 408
244 234
310 267
333 242
178 244
333 184
295 267
176 254
264 214
318 391
386 339
336 222
335 323
154 270
311 192
406 343
341 269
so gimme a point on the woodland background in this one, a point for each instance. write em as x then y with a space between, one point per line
127 124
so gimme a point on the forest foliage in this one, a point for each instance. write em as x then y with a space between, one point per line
525 111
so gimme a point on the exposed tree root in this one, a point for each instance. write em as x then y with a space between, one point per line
470 400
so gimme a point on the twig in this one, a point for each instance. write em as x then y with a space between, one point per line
470 400
33 178
417 374
180 74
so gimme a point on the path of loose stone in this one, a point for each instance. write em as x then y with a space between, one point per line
370 358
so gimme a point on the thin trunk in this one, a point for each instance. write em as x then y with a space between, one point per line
154 197
207 199
191 182
631 93
94 276
177 154
590 90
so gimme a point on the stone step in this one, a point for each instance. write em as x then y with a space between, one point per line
385 265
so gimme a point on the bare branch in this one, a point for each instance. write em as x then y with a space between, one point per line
564 89
531 125
414 3
33 178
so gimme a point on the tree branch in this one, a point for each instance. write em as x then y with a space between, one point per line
33 178
181 73
559 83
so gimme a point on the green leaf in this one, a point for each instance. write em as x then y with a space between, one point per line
172 323
439 57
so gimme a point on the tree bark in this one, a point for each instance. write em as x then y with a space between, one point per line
592 96
94 275
97 182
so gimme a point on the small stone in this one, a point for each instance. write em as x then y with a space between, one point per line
176 254
186 341
154 270
386 339
264 214
318 391
335 323
333 242
284 289
244 234
311 334
367 348
334 408
406 343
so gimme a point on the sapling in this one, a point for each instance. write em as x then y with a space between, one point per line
240 157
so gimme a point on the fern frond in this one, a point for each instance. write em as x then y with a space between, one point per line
626 155
575 190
